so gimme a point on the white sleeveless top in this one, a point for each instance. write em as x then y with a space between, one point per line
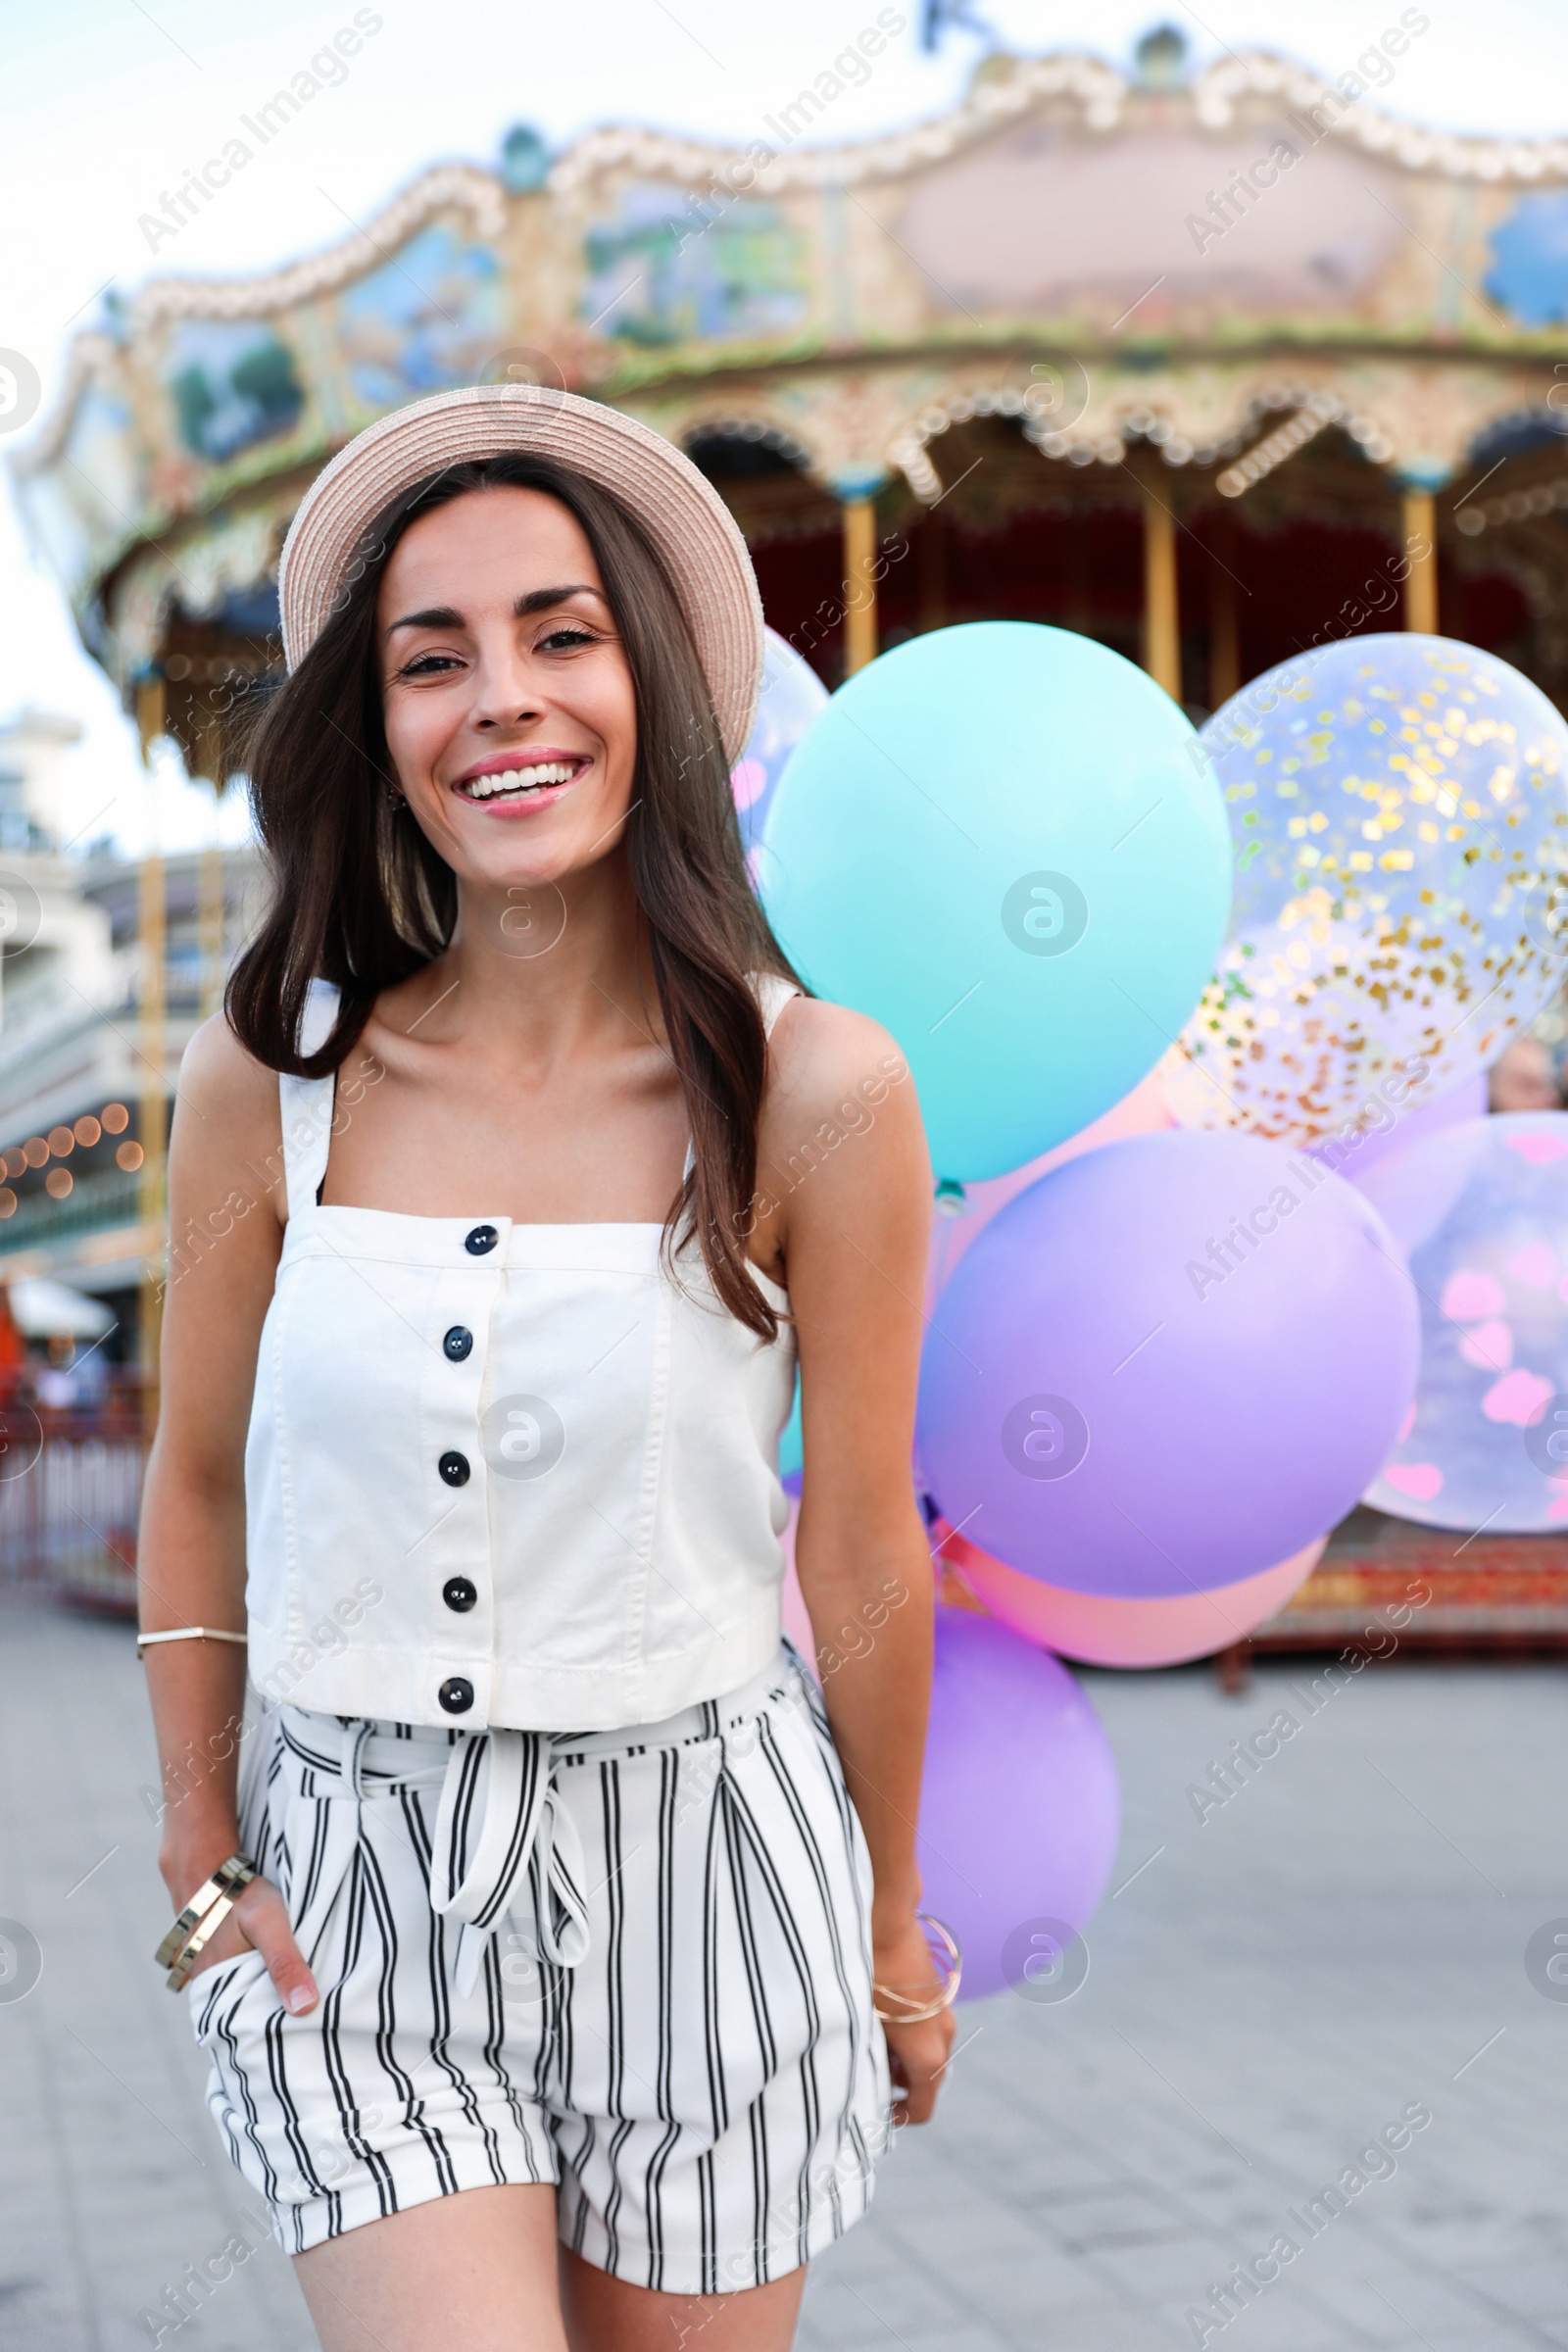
502 1474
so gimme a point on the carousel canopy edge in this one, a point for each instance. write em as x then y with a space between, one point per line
1255 208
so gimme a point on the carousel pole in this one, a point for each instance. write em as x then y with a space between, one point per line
152 939
1162 645
1419 516
860 583
211 908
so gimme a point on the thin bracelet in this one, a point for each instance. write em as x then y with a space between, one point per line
185 1960
223 1884
238 1874
188 1633
917 2007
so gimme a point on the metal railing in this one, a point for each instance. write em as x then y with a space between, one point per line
69 1501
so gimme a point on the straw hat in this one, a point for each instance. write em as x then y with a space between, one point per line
679 510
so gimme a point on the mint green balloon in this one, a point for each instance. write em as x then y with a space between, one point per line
1005 843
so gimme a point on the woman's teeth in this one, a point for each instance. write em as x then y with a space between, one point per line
520 779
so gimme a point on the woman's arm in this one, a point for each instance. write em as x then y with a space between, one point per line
847 1204
225 1194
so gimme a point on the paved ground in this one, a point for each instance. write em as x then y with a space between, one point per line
1343 1939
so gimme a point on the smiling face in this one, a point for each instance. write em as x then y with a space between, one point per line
509 705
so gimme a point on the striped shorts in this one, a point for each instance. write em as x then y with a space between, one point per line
633 1964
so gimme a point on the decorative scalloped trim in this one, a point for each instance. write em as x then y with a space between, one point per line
1519 506
1262 75
1005 89
1311 408
444 186
1010 86
442 189
89 352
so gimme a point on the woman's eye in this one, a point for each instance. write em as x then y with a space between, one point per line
566 638
427 665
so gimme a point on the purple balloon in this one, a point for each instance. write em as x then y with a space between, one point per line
1019 1810
1356 1154
1167 1365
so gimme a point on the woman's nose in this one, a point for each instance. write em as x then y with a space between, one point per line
506 690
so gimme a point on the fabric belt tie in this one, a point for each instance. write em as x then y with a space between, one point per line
500 1822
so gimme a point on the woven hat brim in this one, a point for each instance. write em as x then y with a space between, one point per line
679 510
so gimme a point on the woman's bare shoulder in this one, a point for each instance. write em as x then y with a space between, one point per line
834 1074
226 1104
820 1052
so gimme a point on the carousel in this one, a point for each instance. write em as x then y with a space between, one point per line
1212 368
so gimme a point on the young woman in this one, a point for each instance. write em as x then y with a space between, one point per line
562 2004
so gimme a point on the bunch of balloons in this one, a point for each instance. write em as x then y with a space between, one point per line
1164 1361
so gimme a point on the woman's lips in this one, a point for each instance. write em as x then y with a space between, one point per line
524 782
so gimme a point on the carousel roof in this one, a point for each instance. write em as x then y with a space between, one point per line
1099 257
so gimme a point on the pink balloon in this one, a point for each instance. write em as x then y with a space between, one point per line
1102 1631
1142 1112
796 1623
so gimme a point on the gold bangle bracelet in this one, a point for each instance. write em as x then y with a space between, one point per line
187 1959
917 2007
188 1633
223 1885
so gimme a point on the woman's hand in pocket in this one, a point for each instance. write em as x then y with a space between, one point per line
259 1921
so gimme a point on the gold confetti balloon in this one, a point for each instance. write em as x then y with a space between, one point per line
1399 807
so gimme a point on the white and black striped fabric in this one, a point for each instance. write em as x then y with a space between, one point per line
671 2019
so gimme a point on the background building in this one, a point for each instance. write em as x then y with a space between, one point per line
105 969
85 1046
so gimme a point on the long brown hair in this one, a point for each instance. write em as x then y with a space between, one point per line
360 898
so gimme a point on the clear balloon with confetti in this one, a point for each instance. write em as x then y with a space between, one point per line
1399 809
792 696
1483 1210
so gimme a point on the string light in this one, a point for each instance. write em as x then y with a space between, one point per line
1520 506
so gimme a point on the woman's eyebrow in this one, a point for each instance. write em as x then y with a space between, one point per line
538 599
435 617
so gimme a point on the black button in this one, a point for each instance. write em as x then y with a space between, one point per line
454 1468
458 1343
483 1239
458 1594
455 1695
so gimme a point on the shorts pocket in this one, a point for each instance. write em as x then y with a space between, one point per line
216 1995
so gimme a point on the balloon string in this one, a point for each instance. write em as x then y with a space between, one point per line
946 1234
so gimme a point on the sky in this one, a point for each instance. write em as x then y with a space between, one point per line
105 104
